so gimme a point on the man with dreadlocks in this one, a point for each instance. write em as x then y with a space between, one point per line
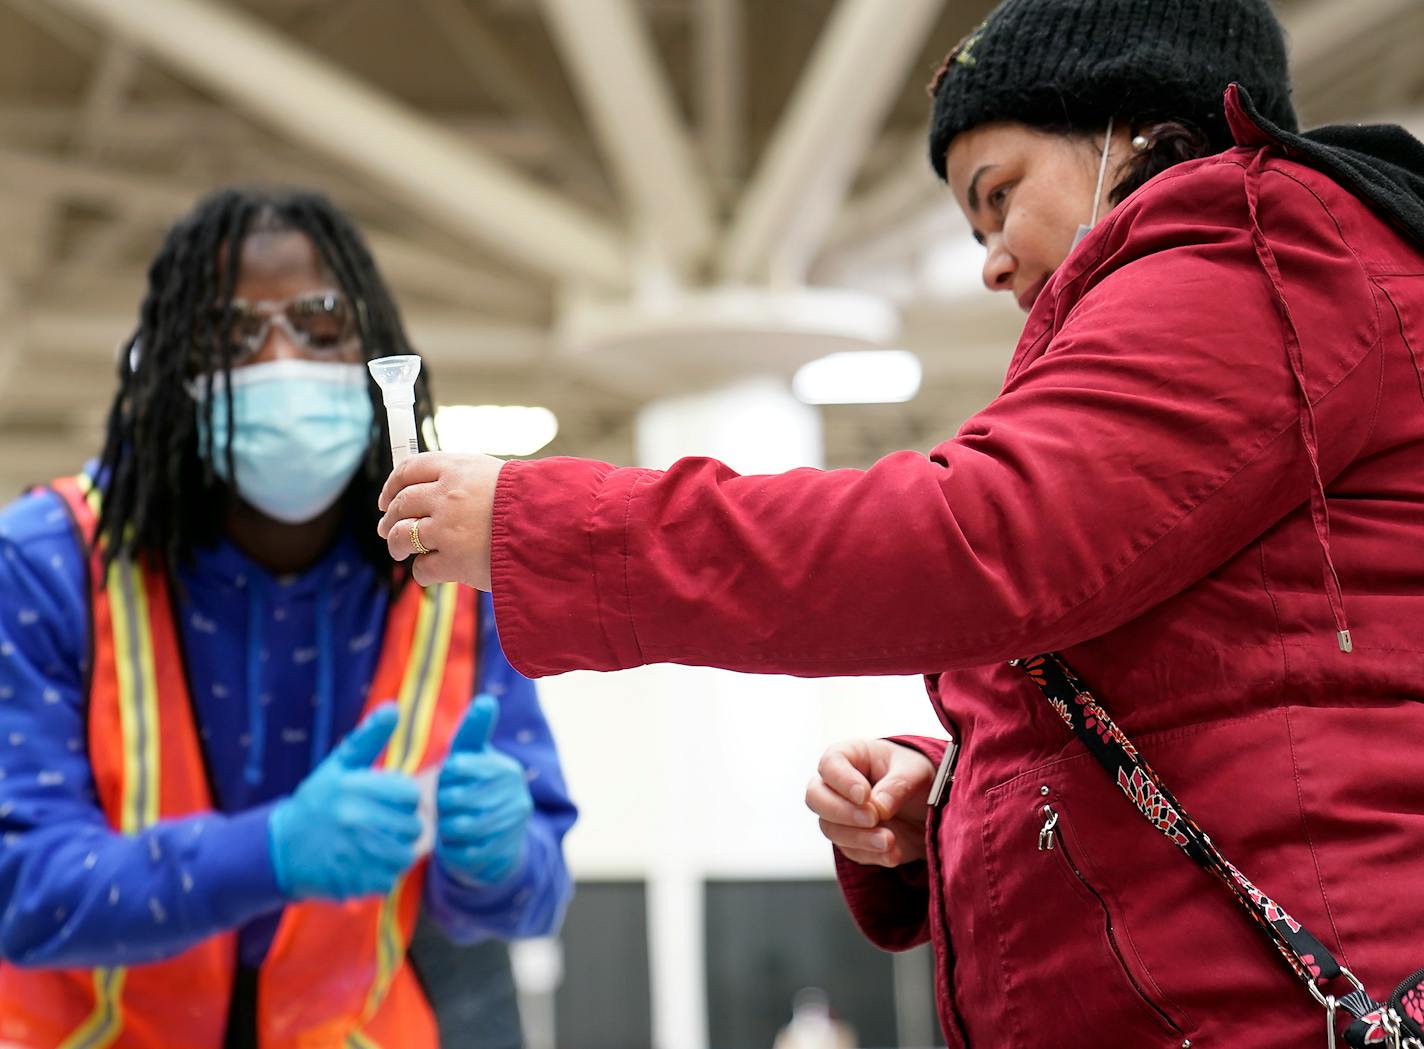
187 627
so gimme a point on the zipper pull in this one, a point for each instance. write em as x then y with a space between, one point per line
1045 833
944 775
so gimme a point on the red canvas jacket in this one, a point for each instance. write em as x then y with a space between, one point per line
1141 497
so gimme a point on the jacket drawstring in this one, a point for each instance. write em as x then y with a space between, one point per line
321 719
1319 513
256 712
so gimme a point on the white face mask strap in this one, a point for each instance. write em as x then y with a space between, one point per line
1102 173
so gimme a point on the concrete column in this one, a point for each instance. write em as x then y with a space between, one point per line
709 810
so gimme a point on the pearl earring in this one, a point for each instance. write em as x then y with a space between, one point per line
1140 143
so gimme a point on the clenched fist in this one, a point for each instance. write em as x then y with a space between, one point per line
872 796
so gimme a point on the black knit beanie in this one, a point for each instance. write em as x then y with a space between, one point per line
1075 63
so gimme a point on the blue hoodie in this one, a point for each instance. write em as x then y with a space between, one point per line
279 670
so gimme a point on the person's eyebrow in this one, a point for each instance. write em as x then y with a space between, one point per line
973 193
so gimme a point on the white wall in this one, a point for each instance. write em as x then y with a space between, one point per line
684 774
710 765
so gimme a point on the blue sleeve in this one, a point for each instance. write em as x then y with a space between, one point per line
74 891
530 902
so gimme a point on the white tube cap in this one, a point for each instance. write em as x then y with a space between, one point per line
396 378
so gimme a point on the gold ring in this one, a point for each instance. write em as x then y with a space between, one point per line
415 542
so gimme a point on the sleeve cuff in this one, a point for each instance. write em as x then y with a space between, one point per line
453 895
931 748
233 867
890 905
557 562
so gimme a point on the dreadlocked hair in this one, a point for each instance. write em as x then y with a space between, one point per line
161 496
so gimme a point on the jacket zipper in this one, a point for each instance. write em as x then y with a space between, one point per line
944 779
1050 839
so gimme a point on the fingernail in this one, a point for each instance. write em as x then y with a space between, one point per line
857 794
865 818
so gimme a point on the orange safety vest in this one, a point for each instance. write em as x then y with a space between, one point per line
336 974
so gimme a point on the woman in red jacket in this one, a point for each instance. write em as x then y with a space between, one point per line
1205 457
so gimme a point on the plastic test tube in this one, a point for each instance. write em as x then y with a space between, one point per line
396 378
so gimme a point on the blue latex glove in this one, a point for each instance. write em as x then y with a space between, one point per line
349 830
482 804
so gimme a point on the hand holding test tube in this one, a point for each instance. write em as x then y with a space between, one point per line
396 378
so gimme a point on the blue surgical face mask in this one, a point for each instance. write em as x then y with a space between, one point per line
301 430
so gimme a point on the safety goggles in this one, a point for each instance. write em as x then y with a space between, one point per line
321 324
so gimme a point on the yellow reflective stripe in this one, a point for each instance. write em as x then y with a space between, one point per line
138 717
412 679
357 1040
424 674
389 948
130 681
423 716
148 749
90 490
138 696
138 684
106 1021
421 686
125 669
138 720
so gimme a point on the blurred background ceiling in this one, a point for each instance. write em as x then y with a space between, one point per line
530 171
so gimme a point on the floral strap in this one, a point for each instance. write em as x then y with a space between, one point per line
1307 957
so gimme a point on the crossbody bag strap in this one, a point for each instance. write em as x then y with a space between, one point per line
1306 956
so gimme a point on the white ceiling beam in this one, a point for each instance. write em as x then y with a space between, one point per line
463 345
488 60
44 175
1400 68
108 88
11 341
907 188
721 88
1325 38
456 341
105 247
628 101
414 267
1316 30
184 125
407 265
65 30
908 258
315 103
847 88
27 234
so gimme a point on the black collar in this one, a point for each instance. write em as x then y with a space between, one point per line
1382 164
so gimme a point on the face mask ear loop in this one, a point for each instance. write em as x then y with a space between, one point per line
1102 173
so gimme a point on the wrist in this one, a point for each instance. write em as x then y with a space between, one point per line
491 872
276 850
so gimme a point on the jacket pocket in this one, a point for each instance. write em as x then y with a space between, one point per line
1053 837
1071 975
